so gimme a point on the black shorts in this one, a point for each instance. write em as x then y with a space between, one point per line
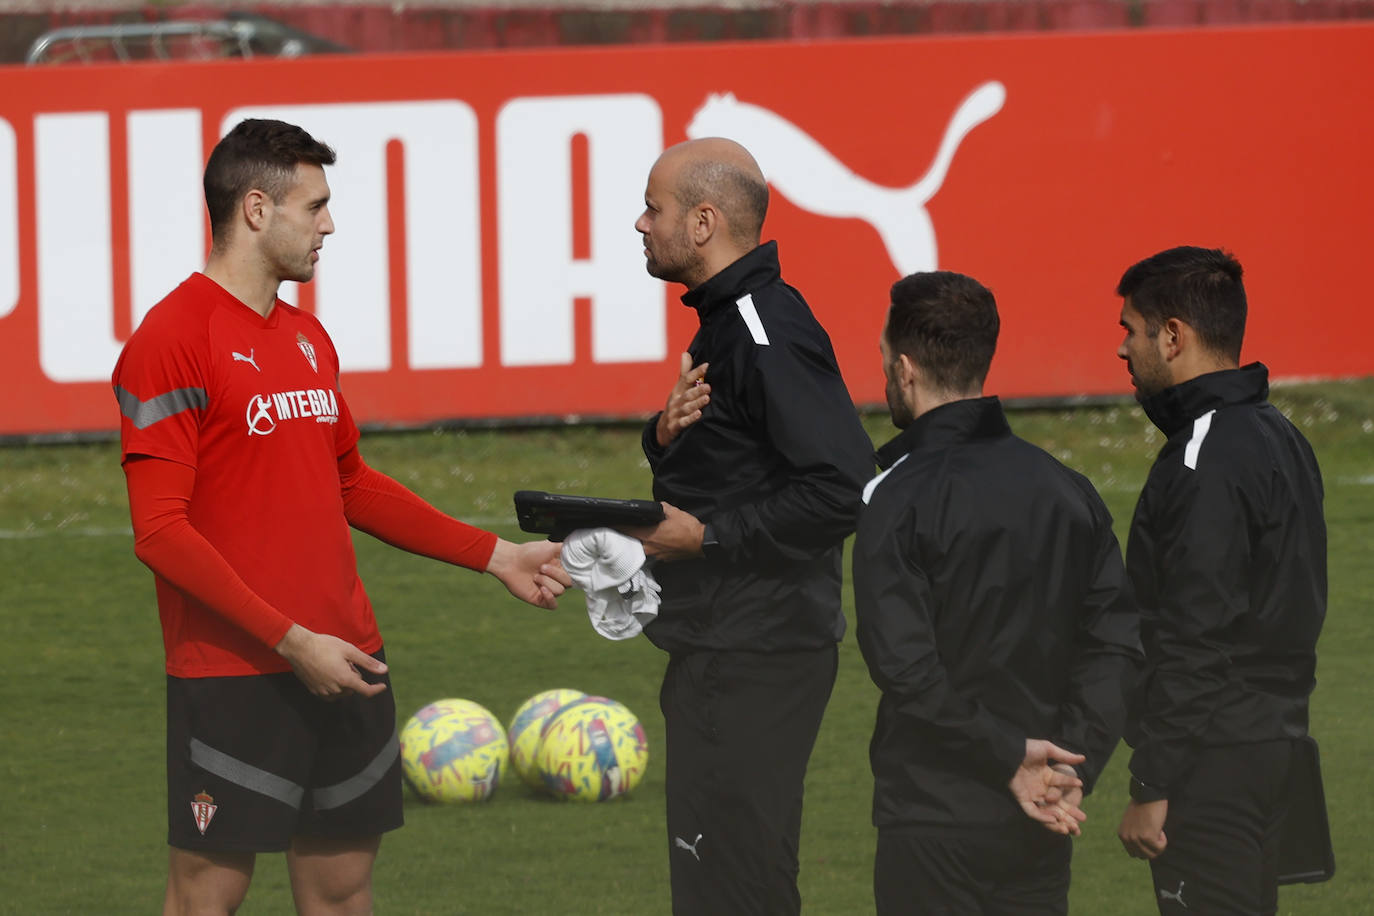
254 761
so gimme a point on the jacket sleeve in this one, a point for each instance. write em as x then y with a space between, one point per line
1195 553
796 395
1107 657
896 632
648 439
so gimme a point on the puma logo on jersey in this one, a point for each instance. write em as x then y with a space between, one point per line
691 847
1176 896
811 177
240 358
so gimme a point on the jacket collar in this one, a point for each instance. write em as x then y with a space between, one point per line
1176 407
948 424
756 268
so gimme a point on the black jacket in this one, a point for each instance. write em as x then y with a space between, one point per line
1227 556
992 607
774 466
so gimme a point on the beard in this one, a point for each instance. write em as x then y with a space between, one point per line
902 415
1148 379
674 261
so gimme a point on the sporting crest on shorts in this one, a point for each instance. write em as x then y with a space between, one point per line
308 349
203 808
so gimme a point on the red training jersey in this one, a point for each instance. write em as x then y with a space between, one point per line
253 405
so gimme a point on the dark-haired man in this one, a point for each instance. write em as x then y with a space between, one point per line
759 459
1227 556
244 476
993 615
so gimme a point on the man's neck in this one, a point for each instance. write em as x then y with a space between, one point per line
715 260
244 281
1185 370
923 400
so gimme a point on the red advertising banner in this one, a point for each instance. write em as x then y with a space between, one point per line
485 263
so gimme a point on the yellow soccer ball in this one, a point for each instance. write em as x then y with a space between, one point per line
593 749
454 751
528 724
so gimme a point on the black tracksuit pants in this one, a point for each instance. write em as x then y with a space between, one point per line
740 729
1013 869
1223 830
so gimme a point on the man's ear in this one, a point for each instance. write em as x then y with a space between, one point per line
907 373
1175 338
255 207
705 223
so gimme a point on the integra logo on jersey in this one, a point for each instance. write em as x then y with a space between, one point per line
265 411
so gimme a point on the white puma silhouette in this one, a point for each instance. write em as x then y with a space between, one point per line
813 179
1176 896
680 843
240 358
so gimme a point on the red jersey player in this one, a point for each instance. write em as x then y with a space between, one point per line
244 477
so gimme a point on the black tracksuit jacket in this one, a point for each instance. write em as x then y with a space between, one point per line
992 607
774 466
1227 557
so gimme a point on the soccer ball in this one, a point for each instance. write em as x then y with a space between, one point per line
528 724
453 751
593 749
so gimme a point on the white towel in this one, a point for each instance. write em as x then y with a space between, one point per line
622 596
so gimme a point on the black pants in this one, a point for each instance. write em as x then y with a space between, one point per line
1223 832
1019 868
740 729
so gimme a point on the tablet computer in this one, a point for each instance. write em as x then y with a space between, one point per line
558 514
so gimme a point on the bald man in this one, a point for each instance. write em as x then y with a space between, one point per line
759 460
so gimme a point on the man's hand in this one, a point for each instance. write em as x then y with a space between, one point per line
677 537
1046 787
328 665
1068 811
531 571
1142 828
685 402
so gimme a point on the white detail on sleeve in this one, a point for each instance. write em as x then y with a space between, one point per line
873 484
745 304
1200 427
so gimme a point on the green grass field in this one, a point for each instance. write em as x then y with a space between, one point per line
82 824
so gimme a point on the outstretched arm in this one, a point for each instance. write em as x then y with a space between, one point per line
378 505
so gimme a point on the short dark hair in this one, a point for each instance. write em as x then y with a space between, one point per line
1199 286
261 154
947 324
742 196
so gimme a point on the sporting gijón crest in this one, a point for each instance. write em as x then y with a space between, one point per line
204 809
308 349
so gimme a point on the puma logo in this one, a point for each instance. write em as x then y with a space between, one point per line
812 178
691 847
1176 896
240 358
